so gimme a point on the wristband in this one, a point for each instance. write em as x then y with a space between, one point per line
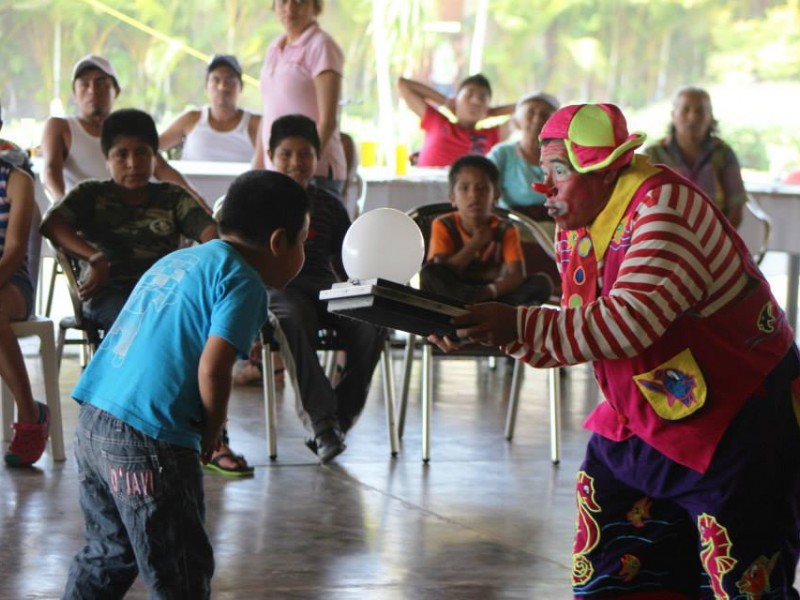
96 258
493 288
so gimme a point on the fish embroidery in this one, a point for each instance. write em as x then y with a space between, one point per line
676 385
755 580
639 512
630 567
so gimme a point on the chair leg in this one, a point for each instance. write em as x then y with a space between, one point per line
8 411
388 395
51 288
50 372
427 397
555 414
408 361
268 375
513 398
62 335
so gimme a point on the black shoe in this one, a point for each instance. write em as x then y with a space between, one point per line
327 445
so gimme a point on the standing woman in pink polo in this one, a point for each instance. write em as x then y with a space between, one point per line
302 74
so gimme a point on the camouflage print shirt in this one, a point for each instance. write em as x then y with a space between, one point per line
133 237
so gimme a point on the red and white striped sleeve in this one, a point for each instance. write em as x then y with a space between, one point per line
680 259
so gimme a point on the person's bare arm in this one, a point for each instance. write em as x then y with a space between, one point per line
209 233
418 95
258 155
19 190
502 110
64 236
253 128
178 130
214 378
163 171
735 215
512 277
460 260
55 145
328 87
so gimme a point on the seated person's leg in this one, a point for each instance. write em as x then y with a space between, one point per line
364 343
31 427
535 289
444 281
297 313
104 307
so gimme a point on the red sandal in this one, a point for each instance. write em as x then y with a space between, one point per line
29 441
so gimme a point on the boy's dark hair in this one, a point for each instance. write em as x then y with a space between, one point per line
258 203
476 161
128 122
477 79
294 126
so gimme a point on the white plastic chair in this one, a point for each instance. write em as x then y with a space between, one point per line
423 216
271 338
43 329
755 229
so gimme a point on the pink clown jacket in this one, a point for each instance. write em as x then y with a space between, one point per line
681 393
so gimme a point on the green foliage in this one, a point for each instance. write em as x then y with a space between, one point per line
633 52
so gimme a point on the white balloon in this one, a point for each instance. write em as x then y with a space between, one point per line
384 243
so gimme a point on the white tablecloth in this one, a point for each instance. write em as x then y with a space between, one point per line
419 186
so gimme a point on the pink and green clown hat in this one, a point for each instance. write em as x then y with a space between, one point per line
595 135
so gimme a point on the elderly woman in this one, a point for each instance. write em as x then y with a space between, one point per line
518 161
693 149
302 74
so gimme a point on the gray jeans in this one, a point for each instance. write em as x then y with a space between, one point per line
143 504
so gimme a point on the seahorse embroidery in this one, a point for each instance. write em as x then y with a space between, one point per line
587 534
715 553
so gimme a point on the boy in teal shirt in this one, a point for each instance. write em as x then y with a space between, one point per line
156 393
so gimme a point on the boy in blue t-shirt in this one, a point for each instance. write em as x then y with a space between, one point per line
156 394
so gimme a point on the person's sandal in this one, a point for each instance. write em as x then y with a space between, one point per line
29 441
243 470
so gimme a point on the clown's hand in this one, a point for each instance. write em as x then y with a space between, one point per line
490 324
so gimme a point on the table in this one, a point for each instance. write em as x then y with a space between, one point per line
421 185
782 204
210 179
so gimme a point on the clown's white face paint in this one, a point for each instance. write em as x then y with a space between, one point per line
574 199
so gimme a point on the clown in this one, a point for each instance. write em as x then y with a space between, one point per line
700 415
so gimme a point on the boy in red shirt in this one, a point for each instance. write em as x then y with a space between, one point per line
444 140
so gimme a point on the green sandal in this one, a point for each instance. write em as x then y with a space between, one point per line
243 470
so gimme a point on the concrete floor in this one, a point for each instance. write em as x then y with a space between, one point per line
484 519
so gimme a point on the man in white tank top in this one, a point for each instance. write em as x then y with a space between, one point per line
219 131
71 147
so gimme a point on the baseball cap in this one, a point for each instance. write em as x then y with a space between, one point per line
548 99
92 61
224 60
595 135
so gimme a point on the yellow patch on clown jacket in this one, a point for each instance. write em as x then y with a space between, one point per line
675 389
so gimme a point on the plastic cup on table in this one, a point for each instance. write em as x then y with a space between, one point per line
369 154
401 159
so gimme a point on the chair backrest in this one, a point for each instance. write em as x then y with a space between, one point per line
529 230
755 229
354 187
35 248
70 267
